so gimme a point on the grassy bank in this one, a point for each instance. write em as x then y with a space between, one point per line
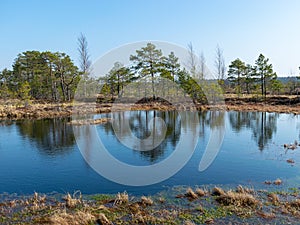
15 109
182 205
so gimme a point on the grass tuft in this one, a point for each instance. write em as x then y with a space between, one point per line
102 219
188 222
277 182
121 198
237 199
244 190
200 192
77 218
147 201
72 202
217 191
191 194
273 198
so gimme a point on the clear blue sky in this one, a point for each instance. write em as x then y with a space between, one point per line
243 29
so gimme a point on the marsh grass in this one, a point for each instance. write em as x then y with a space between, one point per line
219 206
217 191
237 199
11 109
72 201
121 198
146 201
188 222
200 192
277 182
273 198
76 218
191 194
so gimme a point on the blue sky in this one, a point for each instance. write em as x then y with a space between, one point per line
243 29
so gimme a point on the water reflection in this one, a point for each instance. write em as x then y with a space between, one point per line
262 124
211 122
40 154
52 136
211 119
141 125
110 157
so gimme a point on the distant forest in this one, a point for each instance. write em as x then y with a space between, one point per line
53 76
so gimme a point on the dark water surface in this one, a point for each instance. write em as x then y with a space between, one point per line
42 155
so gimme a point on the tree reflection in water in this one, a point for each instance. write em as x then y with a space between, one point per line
262 124
52 136
139 122
176 122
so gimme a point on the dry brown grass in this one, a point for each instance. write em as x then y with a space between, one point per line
266 215
161 200
244 190
38 209
72 202
102 219
295 204
145 218
147 201
217 191
14 108
200 192
191 194
188 222
209 221
121 198
77 218
37 202
237 199
277 182
273 198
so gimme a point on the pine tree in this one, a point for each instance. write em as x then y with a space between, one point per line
236 70
264 71
148 61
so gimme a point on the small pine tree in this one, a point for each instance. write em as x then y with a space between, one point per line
5 92
24 93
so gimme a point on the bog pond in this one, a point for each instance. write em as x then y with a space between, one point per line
43 156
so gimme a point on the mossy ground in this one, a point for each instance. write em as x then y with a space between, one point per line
179 206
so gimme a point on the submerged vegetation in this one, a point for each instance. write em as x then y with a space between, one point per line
198 206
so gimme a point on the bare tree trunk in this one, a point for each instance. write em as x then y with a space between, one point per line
63 88
220 65
202 66
192 60
84 58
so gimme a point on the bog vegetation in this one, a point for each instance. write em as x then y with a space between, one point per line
53 76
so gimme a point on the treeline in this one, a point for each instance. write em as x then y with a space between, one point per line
53 76
40 75
50 76
259 79
155 69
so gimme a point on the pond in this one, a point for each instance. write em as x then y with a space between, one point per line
43 156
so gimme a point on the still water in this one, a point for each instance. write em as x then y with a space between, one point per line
42 155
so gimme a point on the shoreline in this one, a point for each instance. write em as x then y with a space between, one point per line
180 205
11 109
